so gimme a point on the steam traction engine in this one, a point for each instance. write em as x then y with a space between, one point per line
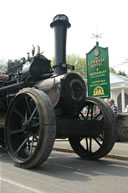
41 104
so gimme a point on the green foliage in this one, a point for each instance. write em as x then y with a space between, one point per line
53 61
118 73
13 66
122 73
112 70
78 62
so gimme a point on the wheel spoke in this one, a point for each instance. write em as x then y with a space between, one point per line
26 115
22 144
86 139
31 146
32 114
82 115
81 138
18 113
16 131
101 138
88 111
90 145
97 142
97 115
28 106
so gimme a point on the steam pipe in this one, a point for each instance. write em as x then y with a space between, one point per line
60 24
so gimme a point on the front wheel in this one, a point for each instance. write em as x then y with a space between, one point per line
98 146
30 128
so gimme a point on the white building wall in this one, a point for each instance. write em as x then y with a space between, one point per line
115 94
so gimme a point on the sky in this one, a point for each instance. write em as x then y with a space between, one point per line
24 23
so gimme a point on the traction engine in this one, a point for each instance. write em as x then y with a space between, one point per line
42 104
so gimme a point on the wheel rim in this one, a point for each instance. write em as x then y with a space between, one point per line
24 123
94 147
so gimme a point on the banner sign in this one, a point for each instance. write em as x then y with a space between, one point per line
98 72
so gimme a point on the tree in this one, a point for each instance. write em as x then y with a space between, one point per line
78 62
122 73
3 67
13 66
118 73
112 70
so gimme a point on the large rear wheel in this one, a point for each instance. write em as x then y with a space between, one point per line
30 128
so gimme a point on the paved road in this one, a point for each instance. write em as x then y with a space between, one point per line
64 173
119 151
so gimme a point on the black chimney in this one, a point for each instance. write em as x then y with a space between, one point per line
60 24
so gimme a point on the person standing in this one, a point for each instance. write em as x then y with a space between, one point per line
114 110
113 107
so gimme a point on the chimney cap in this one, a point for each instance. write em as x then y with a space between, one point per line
59 19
